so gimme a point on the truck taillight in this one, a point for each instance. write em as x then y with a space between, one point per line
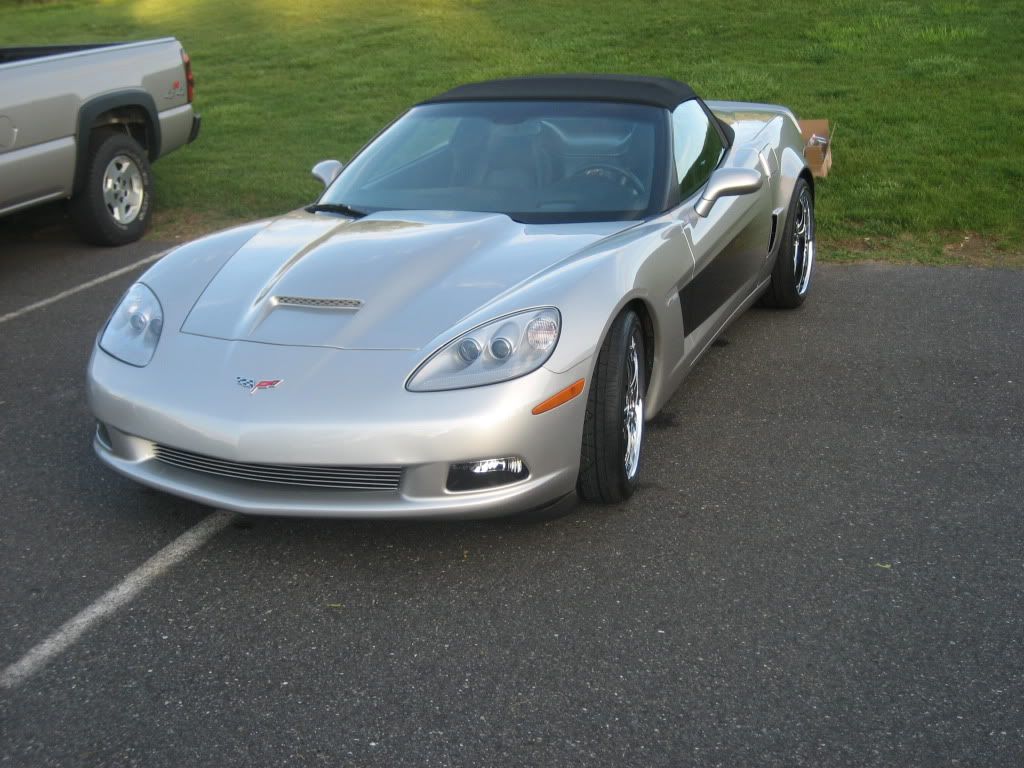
190 78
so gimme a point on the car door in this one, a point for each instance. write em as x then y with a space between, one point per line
730 245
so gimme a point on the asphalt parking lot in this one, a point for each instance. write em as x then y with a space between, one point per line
824 566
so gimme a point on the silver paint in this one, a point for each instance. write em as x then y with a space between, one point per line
424 278
728 182
40 100
326 171
122 189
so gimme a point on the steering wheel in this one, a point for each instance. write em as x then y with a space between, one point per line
618 176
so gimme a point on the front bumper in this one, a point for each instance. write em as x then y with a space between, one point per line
324 416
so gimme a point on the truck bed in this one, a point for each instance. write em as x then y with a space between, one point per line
10 55
68 112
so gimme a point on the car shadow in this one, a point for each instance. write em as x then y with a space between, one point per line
49 223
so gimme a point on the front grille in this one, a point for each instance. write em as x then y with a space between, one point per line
308 475
315 303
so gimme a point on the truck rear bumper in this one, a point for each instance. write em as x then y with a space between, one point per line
196 122
178 127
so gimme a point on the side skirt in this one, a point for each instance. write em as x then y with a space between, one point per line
686 367
743 307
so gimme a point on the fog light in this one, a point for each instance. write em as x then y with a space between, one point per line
488 473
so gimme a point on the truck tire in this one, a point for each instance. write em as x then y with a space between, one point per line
114 203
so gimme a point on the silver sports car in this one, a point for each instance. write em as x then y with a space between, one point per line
476 317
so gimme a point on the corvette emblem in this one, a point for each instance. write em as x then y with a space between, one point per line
254 385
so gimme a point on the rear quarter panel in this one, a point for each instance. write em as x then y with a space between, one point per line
773 128
41 98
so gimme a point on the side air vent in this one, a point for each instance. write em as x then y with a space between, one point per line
315 303
775 227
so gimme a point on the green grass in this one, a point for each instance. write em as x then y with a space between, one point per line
927 97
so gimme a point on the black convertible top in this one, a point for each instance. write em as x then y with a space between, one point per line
633 89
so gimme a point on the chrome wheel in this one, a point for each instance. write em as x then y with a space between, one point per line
803 242
123 191
614 420
633 410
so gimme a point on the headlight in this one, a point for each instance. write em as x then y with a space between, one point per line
134 329
503 349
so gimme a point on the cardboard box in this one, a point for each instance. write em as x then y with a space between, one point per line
818 156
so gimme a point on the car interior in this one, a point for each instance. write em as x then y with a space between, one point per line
546 164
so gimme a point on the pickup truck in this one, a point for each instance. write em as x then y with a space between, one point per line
84 122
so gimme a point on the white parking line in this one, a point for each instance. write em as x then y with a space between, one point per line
116 598
72 291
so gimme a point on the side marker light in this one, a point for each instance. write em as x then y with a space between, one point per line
561 398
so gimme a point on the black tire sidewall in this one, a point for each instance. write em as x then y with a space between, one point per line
88 208
603 476
782 292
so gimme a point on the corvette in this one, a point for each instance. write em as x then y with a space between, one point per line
477 316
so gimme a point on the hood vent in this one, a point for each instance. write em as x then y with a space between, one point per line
315 303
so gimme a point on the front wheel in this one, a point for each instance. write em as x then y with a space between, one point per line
613 428
794 259
114 203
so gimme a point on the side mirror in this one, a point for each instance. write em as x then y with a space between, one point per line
726 182
327 171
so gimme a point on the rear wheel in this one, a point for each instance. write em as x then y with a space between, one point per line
794 260
613 429
113 205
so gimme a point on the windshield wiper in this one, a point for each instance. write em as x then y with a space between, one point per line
341 208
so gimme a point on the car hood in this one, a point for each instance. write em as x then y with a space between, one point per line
386 281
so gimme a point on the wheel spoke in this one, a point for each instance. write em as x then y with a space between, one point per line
632 411
123 191
803 242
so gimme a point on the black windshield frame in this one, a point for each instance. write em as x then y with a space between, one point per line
661 187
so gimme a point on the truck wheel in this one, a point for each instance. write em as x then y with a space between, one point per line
114 203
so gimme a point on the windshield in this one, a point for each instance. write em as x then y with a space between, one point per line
536 161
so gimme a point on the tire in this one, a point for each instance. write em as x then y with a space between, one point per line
114 203
794 255
613 427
